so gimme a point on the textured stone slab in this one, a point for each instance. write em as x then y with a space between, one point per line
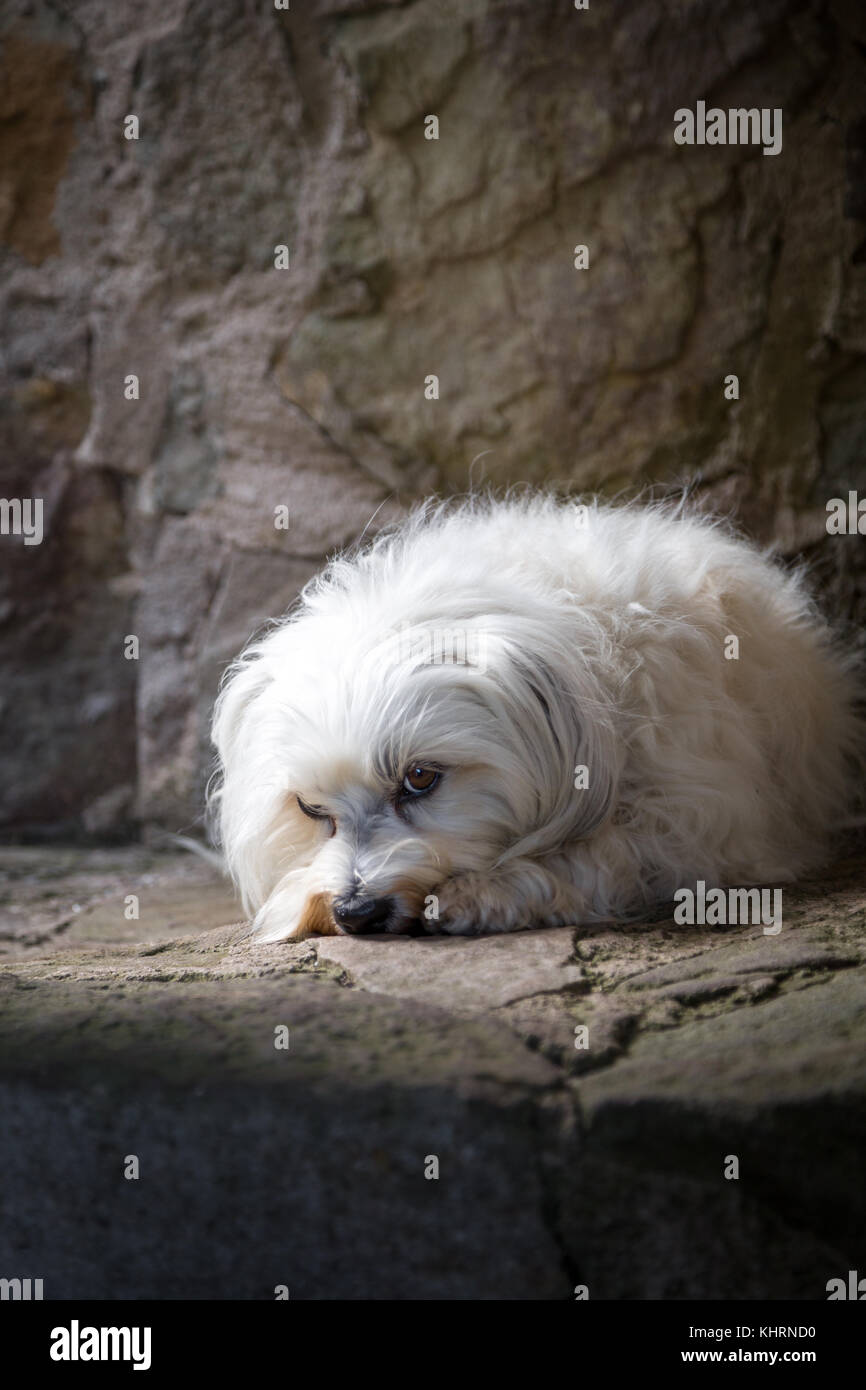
302 1165
261 1167
582 1091
58 898
464 976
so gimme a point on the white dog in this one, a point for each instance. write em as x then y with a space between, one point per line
524 713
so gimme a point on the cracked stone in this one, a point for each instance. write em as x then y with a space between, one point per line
158 1037
463 977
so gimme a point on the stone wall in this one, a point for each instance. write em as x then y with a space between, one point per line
408 257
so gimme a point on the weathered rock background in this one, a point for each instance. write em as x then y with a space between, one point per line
408 257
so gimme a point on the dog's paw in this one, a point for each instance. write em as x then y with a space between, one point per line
469 904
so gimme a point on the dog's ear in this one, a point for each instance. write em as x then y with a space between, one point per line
570 750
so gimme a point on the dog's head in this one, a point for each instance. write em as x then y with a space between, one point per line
363 767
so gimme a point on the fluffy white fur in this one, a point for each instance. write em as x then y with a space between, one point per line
594 636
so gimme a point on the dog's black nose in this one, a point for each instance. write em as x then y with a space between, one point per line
358 915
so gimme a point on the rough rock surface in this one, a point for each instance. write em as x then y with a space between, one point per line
408 257
559 1165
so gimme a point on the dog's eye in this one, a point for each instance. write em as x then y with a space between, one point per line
316 813
420 779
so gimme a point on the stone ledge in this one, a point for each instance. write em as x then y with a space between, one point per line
559 1165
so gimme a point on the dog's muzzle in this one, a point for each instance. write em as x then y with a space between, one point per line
358 915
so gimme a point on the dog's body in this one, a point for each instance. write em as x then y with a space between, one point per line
525 713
